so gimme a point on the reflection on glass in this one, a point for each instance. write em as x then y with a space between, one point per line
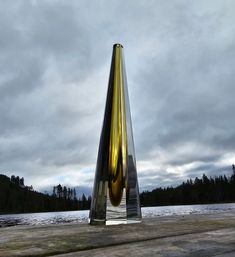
116 192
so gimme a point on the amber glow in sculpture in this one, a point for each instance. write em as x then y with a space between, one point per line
116 194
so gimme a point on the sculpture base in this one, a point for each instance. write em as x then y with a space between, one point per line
119 222
116 213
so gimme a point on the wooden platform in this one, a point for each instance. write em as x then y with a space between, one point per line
178 236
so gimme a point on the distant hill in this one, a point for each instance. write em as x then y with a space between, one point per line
15 197
204 190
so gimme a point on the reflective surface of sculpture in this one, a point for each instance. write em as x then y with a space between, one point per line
115 196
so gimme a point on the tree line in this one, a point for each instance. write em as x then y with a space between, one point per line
64 192
204 190
15 197
70 194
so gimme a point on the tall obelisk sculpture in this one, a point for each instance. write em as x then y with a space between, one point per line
115 196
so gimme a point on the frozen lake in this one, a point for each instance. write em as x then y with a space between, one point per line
46 218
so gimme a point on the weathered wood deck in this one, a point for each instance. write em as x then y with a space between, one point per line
178 236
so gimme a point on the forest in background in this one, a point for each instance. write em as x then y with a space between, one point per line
204 190
15 197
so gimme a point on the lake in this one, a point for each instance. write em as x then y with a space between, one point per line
76 217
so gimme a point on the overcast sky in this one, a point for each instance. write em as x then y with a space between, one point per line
54 67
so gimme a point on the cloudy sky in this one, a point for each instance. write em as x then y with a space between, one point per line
55 59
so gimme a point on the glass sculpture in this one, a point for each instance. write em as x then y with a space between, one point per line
115 196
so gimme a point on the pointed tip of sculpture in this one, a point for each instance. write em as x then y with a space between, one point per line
117 45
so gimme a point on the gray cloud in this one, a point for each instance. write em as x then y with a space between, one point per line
54 61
